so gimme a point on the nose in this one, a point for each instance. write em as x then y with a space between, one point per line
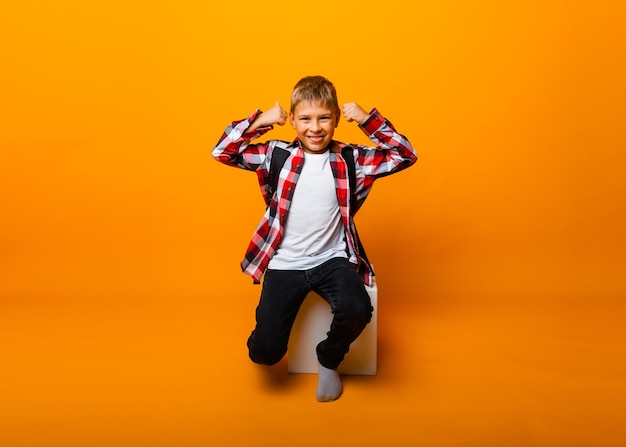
315 126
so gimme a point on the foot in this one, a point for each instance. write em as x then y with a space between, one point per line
329 386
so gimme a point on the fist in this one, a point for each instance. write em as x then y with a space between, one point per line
354 112
274 115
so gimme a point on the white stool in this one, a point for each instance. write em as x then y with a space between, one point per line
311 326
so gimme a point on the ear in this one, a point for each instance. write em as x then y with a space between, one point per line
338 118
292 120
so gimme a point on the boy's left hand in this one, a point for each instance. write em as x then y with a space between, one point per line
354 112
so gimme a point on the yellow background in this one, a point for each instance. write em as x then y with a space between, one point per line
500 254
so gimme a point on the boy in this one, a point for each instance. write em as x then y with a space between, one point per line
307 239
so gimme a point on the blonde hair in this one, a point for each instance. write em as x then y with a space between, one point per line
314 88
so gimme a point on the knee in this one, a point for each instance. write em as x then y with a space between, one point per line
361 314
365 313
264 355
267 359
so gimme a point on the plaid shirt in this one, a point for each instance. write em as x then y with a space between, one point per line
392 153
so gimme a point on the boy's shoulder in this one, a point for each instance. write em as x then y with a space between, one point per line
341 146
283 144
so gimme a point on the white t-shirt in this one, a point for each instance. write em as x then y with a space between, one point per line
313 231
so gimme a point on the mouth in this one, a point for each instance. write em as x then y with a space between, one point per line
316 139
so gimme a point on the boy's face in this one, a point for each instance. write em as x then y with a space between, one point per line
315 125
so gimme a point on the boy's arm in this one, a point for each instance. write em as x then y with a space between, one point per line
274 115
234 147
393 151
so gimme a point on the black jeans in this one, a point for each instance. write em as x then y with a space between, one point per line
284 291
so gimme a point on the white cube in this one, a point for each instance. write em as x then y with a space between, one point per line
311 326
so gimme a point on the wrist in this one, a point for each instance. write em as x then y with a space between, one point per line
364 119
373 121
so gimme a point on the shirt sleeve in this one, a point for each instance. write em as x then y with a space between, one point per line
235 148
392 151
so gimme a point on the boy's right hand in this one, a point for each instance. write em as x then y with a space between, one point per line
274 115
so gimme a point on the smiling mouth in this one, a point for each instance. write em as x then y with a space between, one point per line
316 139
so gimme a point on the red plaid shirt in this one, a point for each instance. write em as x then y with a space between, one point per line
392 153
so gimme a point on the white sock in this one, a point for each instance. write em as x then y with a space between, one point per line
329 386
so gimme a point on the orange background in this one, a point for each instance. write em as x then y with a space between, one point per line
500 254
